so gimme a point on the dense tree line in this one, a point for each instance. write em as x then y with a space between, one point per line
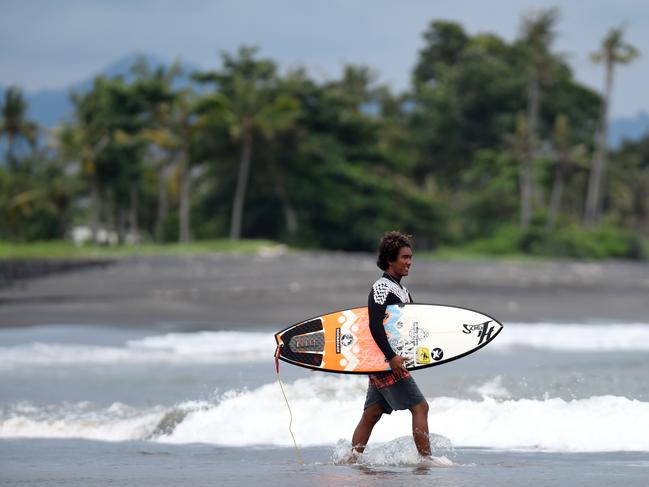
494 143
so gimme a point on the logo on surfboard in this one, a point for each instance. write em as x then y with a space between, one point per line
423 355
484 330
437 354
345 340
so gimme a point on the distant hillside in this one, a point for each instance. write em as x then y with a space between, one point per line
49 107
628 129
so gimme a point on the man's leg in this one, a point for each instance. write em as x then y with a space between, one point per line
361 436
420 428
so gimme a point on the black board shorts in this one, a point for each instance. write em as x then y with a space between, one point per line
403 394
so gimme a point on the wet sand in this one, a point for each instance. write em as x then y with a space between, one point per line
274 290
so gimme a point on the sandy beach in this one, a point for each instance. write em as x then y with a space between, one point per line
276 289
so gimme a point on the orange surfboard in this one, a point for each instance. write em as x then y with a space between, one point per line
424 334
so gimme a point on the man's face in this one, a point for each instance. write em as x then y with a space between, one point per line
401 266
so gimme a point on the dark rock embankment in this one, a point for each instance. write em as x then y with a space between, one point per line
13 270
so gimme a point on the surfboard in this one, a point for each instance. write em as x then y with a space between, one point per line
425 335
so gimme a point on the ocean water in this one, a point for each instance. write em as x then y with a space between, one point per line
544 403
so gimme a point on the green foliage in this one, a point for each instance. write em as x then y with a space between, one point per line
572 241
445 43
35 200
256 153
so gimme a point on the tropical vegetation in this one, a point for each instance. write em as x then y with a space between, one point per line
495 148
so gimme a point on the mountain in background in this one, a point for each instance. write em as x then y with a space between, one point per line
631 128
49 107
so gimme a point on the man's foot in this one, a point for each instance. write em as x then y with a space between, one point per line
350 458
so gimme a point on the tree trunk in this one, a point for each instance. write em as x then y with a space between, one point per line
118 220
185 192
593 207
557 193
242 185
290 214
11 158
95 203
163 204
527 177
526 194
121 225
133 212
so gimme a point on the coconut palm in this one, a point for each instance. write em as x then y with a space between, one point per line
518 145
569 158
251 107
14 125
83 141
613 50
537 36
168 135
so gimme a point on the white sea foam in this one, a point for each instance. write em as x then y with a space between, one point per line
172 348
234 346
399 451
492 388
325 410
117 422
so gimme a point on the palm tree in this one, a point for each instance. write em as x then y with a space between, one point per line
568 158
613 51
78 144
161 134
162 148
518 145
14 125
182 123
247 101
169 142
85 141
537 36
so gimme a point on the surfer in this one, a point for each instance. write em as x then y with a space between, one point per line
396 389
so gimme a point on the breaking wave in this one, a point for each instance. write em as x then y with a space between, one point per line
325 411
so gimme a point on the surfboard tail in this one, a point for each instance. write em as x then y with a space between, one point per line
302 343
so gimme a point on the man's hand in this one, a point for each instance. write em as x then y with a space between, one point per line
398 363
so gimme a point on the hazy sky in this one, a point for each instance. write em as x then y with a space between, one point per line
53 43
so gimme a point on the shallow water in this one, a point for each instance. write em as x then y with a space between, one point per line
563 404
92 463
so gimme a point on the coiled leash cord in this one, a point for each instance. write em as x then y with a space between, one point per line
290 423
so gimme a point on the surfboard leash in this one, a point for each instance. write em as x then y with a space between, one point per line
290 413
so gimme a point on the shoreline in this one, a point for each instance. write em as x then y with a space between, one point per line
274 290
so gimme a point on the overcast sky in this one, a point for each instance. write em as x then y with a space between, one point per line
54 43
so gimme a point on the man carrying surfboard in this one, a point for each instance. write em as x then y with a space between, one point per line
396 389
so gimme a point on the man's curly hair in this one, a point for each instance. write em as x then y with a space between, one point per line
389 247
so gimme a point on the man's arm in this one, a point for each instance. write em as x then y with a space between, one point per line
376 305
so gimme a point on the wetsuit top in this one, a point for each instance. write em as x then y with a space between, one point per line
385 291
